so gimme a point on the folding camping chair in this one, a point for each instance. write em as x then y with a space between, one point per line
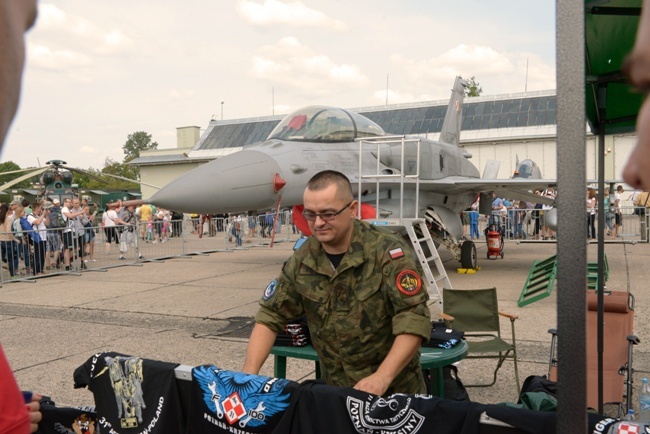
618 342
476 312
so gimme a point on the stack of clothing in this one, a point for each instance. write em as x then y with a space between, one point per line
295 334
443 336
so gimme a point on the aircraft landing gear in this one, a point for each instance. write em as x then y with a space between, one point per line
468 257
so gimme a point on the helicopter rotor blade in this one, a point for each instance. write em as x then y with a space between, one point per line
131 180
84 173
24 177
18 171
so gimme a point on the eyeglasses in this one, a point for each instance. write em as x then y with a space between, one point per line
325 216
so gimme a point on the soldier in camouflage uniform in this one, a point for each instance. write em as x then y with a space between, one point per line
361 292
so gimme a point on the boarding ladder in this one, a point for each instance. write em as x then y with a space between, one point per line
415 227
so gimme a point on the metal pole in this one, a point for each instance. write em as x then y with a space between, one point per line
571 235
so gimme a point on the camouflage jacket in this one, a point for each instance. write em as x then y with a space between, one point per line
355 311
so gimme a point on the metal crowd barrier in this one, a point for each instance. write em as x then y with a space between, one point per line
158 241
145 242
529 224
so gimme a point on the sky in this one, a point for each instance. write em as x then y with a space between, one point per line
98 71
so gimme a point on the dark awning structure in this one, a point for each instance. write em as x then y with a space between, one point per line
593 39
99 192
610 30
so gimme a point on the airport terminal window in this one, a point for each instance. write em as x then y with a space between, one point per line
484 122
399 127
533 104
467 122
522 120
512 119
480 107
439 112
503 120
550 117
543 103
408 129
505 107
469 109
514 107
525 104
494 121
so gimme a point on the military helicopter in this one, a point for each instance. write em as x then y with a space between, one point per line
56 179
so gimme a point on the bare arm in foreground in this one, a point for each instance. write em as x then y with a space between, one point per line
259 348
404 348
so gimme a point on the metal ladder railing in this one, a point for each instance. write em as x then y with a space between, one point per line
418 241
416 228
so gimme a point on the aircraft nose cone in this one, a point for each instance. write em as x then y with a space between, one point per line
238 182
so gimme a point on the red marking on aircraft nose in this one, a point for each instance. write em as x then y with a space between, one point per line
278 183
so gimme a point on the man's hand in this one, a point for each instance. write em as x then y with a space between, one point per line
34 410
403 350
376 384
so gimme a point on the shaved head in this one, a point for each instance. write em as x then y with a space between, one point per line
324 179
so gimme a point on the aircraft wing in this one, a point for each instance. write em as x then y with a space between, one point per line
517 188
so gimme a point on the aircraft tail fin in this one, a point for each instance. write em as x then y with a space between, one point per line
450 132
491 170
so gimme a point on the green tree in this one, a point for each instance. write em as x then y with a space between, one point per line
83 180
473 88
137 142
124 170
9 166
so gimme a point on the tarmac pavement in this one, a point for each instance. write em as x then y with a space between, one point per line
198 310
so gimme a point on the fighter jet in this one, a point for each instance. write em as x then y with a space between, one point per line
399 176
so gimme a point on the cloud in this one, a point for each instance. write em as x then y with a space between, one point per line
114 42
497 72
88 150
182 94
296 66
58 60
69 30
274 12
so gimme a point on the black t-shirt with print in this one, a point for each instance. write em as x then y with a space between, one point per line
227 401
132 395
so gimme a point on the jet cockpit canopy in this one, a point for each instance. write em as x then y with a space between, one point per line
324 124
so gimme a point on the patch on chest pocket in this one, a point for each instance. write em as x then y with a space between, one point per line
409 282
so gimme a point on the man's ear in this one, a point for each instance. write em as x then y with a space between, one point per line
354 209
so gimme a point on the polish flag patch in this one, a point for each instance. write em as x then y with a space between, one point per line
396 253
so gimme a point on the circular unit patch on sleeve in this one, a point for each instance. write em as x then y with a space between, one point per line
270 290
409 282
